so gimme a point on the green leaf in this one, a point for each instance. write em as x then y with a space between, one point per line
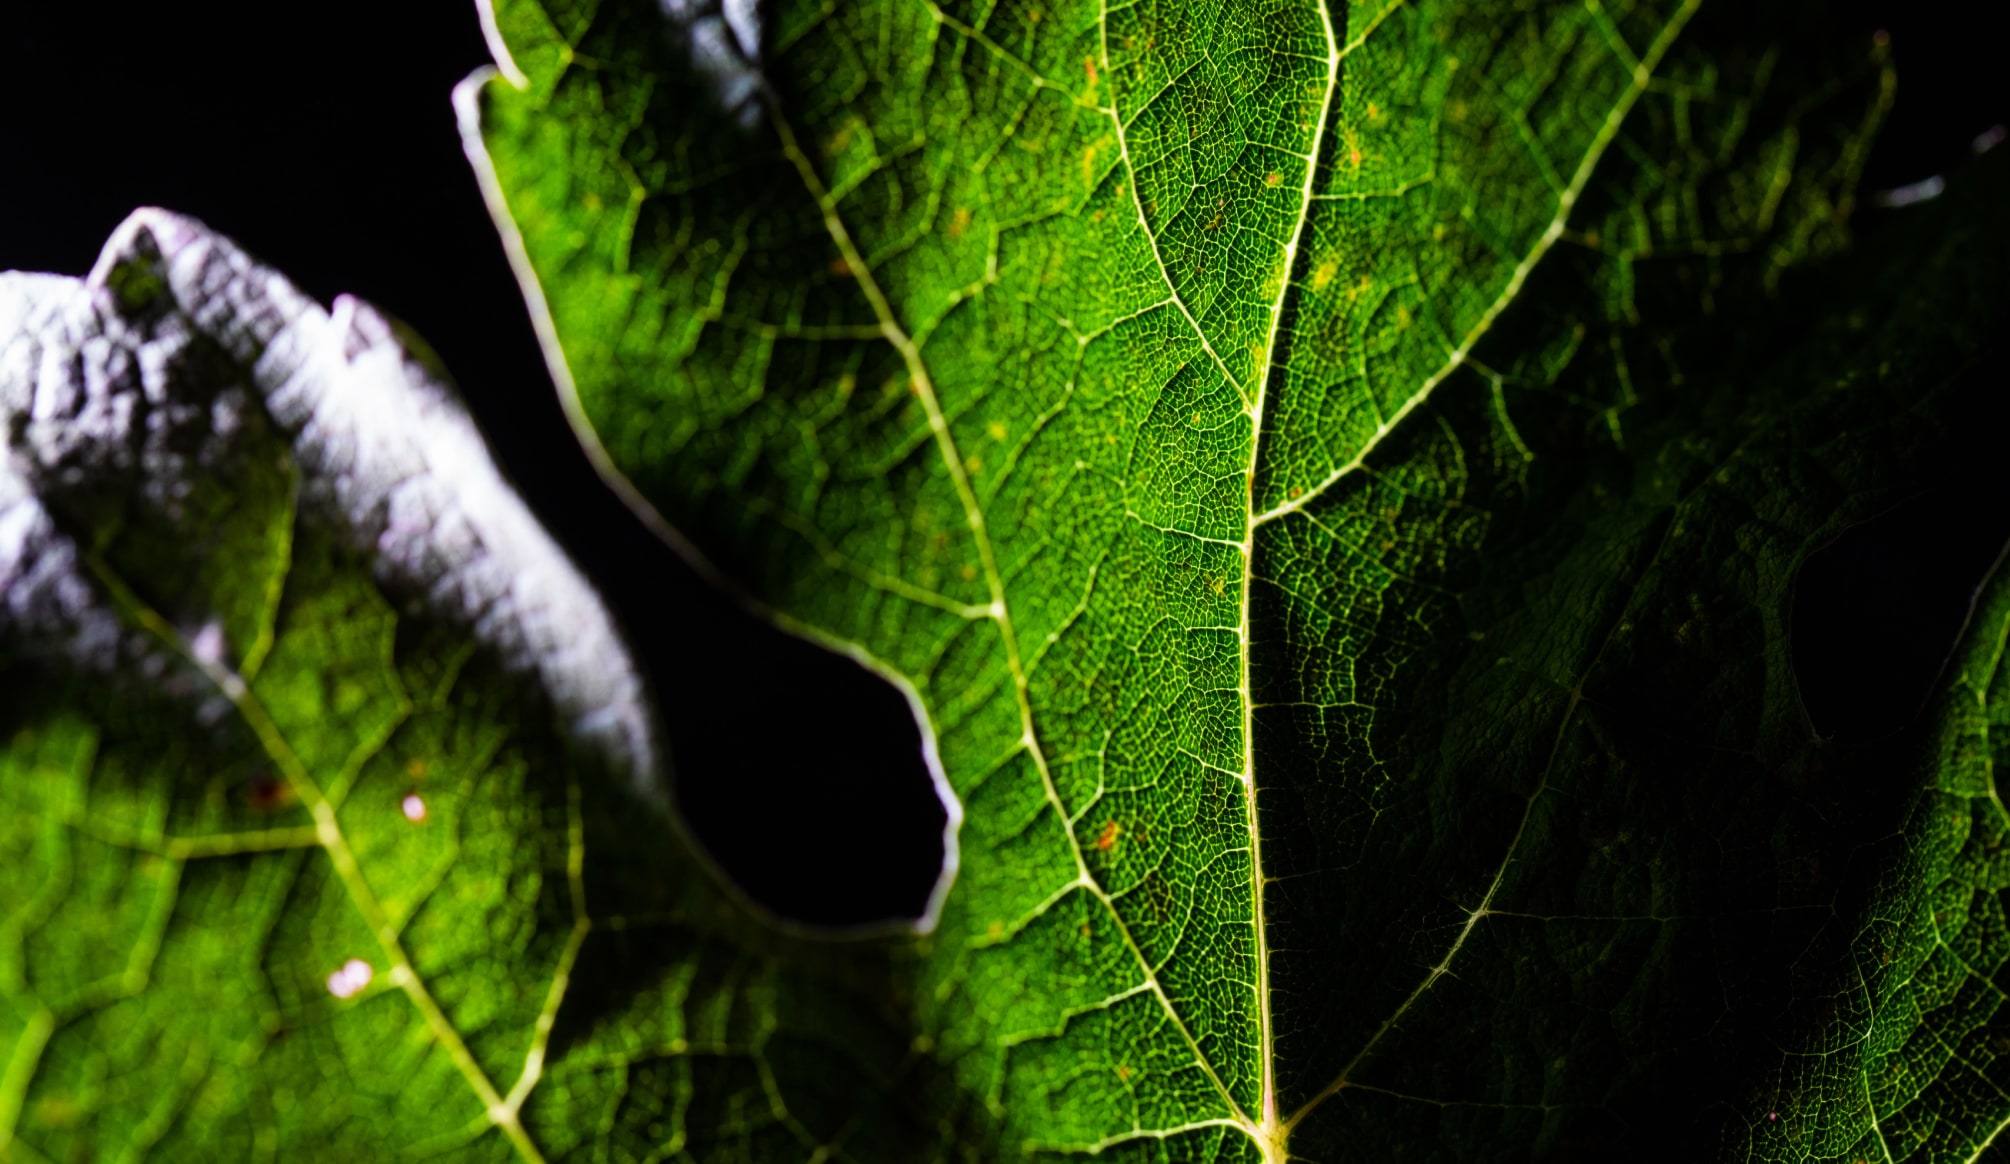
307 734
1334 480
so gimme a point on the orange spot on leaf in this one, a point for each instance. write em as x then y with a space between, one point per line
1107 839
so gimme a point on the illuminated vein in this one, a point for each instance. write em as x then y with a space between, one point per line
329 835
1269 1134
1343 1080
1643 75
938 423
1137 202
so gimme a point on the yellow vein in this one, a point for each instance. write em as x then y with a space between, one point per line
1341 1081
1981 1149
1137 1135
1643 73
938 423
1269 1133
1040 80
1387 11
21 1068
1137 200
329 832
561 975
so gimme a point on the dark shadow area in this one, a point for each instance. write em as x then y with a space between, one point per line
329 149
1950 86
1877 611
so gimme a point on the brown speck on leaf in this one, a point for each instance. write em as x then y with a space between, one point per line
1272 178
840 268
1124 1072
958 223
1107 839
267 793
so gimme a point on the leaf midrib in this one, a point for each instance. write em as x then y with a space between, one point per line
1642 73
1269 1129
999 612
1270 1134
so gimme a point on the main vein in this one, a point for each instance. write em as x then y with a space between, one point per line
1276 1132
1269 1132
999 611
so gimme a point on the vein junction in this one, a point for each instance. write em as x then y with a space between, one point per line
349 439
1308 262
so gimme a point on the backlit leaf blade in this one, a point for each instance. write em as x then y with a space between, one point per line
333 815
1334 479
1551 864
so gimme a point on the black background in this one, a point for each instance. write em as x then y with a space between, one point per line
325 143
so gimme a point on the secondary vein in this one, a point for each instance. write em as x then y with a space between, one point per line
1000 613
1643 74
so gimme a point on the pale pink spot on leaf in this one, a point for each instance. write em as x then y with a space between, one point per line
207 645
350 980
414 807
